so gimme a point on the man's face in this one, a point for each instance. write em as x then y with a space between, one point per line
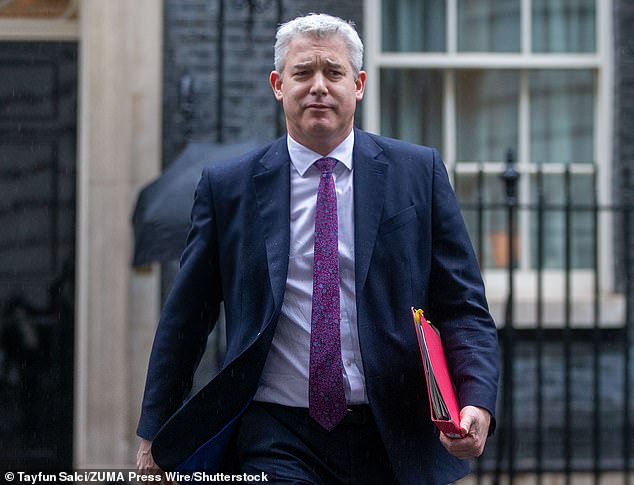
318 91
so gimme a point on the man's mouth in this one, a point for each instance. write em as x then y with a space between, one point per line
318 106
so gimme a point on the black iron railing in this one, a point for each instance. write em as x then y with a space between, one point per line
565 404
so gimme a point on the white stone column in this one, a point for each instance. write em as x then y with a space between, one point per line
119 150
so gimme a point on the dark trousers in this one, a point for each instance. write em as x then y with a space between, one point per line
290 447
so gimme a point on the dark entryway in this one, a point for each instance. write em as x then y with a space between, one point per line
38 128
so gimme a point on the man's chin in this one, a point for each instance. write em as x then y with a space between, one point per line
322 127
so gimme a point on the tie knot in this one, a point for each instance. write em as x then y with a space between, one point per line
326 165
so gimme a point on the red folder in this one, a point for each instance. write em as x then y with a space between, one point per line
443 404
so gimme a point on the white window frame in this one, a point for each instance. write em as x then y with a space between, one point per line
600 62
41 30
63 27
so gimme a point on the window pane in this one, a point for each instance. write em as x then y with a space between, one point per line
489 25
564 26
562 116
411 105
481 198
487 104
413 25
552 227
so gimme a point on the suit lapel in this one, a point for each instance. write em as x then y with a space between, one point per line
272 190
369 195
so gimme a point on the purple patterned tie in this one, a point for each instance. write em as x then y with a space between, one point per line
327 400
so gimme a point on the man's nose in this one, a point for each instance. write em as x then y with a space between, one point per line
319 85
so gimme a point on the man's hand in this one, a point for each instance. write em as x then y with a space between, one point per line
144 460
475 423
145 463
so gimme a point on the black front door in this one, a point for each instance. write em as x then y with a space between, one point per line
38 128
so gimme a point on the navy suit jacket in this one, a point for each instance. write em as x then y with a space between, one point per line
411 249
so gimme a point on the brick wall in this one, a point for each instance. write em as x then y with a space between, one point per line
191 108
624 92
624 136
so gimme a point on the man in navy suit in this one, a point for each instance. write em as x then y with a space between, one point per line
256 234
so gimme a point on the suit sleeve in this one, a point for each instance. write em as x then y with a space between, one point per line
458 302
188 316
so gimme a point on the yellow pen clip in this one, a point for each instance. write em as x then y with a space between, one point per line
420 316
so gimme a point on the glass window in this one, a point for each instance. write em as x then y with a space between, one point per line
546 117
489 25
564 25
411 105
562 116
487 104
495 82
558 192
414 25
487 228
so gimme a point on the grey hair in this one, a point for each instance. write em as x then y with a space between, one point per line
319 25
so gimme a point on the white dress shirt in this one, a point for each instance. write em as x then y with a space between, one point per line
285 376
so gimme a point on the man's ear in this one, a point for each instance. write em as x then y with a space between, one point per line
359 84
275 79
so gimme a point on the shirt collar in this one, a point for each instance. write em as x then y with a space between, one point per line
303 158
